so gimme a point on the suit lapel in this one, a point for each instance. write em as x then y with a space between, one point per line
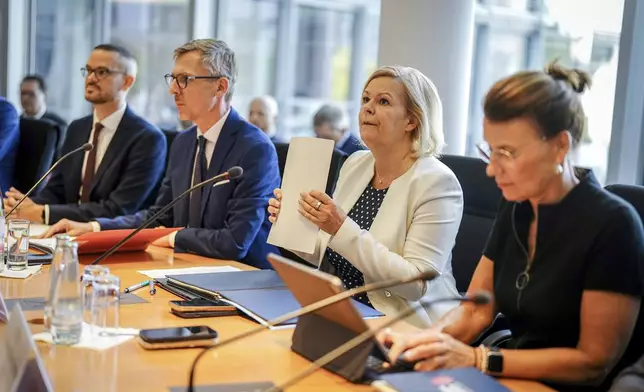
76 160
225 142
186 166
120 139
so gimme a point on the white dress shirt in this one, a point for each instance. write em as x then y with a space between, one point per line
110 124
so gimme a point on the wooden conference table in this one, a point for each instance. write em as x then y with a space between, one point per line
128 367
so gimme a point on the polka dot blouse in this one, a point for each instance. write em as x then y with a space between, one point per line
363 213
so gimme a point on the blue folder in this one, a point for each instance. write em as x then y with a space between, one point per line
463 379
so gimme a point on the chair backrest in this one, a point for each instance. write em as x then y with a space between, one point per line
36 151
337 160
481 198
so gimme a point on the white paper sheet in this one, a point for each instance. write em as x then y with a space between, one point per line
162 273
95 341
46 242
306 169
22 274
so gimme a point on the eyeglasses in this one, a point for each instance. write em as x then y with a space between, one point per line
100 72
183 79
500 155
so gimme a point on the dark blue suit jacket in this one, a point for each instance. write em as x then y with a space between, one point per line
124 182
9 139
234 222
351 145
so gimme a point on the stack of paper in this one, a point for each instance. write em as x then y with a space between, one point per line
162 273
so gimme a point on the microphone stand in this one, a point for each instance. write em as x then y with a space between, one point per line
426 276
221 179
84 147
479 299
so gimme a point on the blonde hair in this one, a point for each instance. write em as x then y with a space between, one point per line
424 106
549 98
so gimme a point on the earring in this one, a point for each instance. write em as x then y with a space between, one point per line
559 169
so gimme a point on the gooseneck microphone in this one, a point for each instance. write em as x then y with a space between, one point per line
220 179
84 147
425 276
480 298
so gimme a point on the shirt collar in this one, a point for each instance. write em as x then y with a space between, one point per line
38 115
343 139
212 134
574 199
112 121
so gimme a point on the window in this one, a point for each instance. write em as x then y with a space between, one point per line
151 30
62 42
323 64
578 33
250 27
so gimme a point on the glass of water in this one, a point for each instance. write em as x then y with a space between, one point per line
90 274
105 304
19 249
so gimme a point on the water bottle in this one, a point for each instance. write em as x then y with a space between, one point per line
66 303
54 272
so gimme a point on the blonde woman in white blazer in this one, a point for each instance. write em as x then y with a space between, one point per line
405 206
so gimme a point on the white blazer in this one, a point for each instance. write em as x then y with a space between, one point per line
414 231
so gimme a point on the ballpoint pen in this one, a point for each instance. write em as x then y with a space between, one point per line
136 286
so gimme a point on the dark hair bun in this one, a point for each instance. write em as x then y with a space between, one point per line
577 79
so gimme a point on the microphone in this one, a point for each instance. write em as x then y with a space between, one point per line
425 276
84 147
220 179
479 298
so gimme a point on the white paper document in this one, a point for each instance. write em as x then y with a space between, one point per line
22 274
306 169
162 273
94 339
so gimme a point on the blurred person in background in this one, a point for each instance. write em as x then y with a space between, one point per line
263 113
331 122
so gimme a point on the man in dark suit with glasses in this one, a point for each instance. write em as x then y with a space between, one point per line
119 175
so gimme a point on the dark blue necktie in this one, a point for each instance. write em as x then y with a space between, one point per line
198 176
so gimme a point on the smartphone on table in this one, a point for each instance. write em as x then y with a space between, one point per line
199 307
177 337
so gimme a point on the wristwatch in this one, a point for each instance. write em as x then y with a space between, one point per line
494 361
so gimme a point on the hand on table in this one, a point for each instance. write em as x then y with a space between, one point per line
70 227
431 349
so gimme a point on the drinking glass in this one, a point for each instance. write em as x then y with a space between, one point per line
19 250
90 274
105 304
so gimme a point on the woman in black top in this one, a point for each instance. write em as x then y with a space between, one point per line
564 259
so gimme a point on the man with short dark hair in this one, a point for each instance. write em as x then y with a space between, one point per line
119 175
33 98
228 221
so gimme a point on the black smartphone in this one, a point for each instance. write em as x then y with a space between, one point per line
178 337
201 305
